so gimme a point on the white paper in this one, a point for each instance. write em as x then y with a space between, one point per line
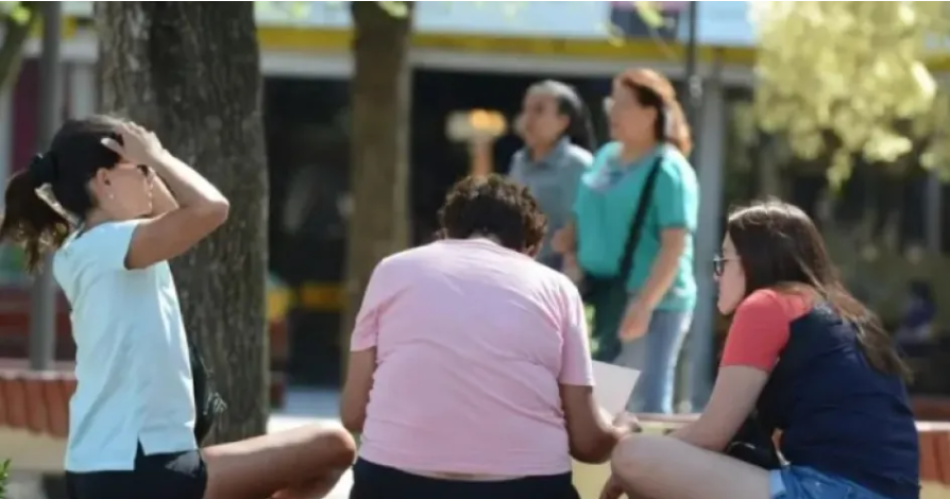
613 386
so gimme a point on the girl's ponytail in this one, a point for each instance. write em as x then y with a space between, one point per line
29 221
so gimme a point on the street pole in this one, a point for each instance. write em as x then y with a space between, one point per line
43 296
707 118
695 360
694 81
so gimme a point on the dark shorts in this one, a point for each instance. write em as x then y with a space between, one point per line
373 481
181 475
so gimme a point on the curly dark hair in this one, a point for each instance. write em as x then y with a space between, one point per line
495 207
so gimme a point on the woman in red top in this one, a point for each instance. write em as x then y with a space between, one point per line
810 360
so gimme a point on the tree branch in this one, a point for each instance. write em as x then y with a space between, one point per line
16 30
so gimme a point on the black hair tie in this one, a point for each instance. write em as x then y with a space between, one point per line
42 170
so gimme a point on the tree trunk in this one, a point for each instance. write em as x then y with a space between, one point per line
380 98
190 72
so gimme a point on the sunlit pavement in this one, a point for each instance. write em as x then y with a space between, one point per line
308 406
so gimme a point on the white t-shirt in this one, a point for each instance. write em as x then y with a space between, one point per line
132 360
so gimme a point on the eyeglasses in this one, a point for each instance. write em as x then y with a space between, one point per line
719 265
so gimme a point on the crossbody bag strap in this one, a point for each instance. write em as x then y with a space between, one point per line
639 216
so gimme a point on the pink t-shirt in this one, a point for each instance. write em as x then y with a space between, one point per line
472 342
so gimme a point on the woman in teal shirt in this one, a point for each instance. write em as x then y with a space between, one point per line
645 327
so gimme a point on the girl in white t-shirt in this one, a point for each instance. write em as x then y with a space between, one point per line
101 199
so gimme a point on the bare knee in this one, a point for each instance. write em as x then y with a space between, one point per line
307 456
325 447
630 461
339 446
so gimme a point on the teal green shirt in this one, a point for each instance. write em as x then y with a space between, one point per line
608 195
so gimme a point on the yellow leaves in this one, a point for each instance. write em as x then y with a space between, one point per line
849 69
395 9
650 14
615 35
840 168
16 12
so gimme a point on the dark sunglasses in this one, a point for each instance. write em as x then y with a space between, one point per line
719 264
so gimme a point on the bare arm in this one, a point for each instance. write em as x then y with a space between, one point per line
675 201
202 207
163 201
363 350
359 382
202 210
665 267
565 240
758 334
732 400
592 438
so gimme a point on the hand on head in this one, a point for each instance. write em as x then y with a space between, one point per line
138 145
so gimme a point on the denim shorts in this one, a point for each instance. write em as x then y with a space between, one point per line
802 482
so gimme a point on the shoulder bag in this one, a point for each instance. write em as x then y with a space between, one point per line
609 294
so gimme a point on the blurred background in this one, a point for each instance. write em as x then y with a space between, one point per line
783 100
884 223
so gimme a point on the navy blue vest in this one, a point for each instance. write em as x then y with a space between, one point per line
837 413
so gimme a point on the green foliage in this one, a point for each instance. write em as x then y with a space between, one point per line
840 79
589 314
395 9
4 478
16 12
17 19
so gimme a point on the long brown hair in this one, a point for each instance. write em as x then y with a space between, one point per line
654 90
779 246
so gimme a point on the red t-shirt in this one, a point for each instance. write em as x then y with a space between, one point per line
760 328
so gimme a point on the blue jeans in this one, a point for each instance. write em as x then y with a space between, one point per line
655 355
801 482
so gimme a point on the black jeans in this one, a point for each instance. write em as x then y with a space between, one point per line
180 475
374 481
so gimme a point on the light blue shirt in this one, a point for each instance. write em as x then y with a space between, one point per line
606 200
553 181
132 360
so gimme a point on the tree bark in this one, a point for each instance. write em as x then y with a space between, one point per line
380 96
190 72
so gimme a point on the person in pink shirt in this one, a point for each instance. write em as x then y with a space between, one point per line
470 374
